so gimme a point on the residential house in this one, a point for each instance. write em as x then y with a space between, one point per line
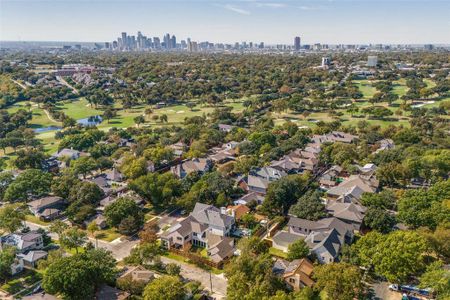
249 198
106 292
178 149
23 241
206 226
268 173
297 274
349 213
333 137
17 266
225 127
68 153
254 184
139 273
324 237
220 248
31 258
238 211
200 165
352 189
113 175
47 208
102 182
385 144
285 164
331 177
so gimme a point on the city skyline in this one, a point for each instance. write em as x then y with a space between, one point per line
331 22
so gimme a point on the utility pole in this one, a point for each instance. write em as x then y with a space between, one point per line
210 281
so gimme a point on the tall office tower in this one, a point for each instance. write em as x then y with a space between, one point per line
107 45
120 43
124 40
173 42
326 61
428 47
372 61
167 41
156 42
194 47
183 44
261 45
297 43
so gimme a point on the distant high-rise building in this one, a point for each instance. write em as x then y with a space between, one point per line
173 42
167 42
124 40
372 61
156 42
326 61
297 43
428 47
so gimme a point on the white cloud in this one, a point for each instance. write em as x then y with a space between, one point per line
271 5
236 9
304 7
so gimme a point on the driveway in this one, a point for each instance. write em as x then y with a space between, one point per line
381 292
219 283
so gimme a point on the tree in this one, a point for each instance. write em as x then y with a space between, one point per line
77 277
133 167
124 213
149 233
144 254
73 238
298 249
396 256
386 199
164 287
139 120
29 159
439 240
282 193
190 105
30 183
11 217
83 165
7 256
159 189
108 114
438 279
62 185
164 118
340 281
379 219
173 269
309 206
69 122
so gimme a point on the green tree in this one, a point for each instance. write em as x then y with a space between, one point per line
83 165
396 256
125 214
77 277
298 249
6 178
11 217
73 238
159 189
309 206
133 167
340 281
165 287
379 219
282 193
7 256
30 183
438 279
139 120
108 114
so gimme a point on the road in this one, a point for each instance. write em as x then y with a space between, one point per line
19 84
219 283
64 82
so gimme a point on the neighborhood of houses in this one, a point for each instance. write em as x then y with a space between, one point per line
216 229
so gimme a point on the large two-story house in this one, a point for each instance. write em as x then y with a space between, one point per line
206 227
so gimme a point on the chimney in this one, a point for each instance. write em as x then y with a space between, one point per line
223 210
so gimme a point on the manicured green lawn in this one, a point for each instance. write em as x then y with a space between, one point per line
108 235
277 252
79 109
35 220
366 88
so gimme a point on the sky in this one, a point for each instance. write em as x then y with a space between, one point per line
270 21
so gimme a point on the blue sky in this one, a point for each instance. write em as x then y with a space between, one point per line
271 21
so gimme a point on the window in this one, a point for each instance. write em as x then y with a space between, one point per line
194 234
179 239
292 280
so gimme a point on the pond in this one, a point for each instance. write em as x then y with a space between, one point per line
45 129
90 121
